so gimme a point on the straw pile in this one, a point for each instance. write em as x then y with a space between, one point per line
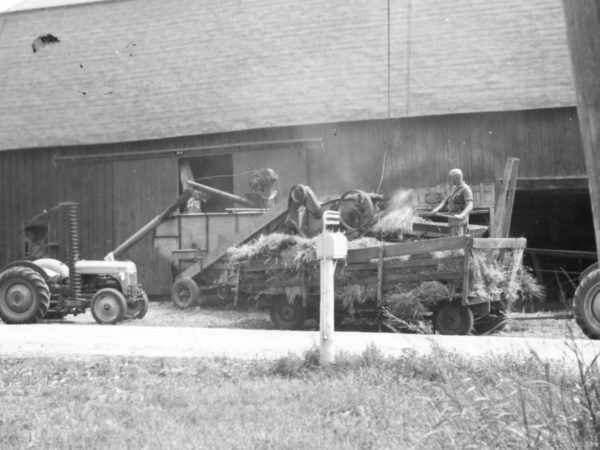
291 253
294 254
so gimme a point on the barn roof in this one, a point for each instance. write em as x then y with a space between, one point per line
19 5
127 70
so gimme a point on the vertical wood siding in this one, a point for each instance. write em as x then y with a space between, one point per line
117 197
142 189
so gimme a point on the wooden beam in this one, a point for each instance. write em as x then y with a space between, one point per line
207 150
407 248
563 253
466 274
380 275
583 35
504 206
401 264
404 278
566 183
498 243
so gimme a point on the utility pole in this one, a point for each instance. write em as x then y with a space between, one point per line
583 33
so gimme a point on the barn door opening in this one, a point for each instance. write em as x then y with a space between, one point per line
216 172
559 228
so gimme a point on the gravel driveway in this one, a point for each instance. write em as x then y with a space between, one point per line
169 332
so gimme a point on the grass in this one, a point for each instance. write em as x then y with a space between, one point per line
369 401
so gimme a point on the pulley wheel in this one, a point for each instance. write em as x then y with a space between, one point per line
356 209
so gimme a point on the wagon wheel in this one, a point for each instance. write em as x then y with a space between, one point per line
356 209
185 292
24 295
587 305
453 319
138 308
490 323
108 306
287 315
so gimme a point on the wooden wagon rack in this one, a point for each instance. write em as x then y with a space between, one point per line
293 295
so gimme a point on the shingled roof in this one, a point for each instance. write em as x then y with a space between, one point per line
131 70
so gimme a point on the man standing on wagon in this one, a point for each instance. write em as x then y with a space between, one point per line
458 204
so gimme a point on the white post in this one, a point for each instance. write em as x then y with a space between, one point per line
330 246
326 324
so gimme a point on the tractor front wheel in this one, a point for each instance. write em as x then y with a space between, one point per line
587 304
453 319
24 295
108 306
185 292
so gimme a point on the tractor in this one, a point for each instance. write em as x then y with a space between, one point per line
41 286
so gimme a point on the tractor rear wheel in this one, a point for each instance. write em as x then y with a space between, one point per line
453 319
587 304
138 308
185 293
588 270
287 315
24 295
108 306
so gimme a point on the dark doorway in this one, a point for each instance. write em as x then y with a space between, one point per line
555 220
216 172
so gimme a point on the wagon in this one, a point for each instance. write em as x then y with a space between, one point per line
460 298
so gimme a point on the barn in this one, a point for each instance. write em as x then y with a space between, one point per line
104 101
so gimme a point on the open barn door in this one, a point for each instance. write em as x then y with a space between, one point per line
291 166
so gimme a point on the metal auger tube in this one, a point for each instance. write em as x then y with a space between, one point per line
220 193
150 226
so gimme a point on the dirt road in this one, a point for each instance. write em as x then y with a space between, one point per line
81 340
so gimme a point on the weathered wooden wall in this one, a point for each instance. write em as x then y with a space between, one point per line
119 194
115 199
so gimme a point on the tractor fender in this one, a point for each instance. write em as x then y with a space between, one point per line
53 267
29 264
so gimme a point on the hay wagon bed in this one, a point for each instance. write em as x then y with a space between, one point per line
442 280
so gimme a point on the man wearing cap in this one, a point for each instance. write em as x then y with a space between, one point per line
458 204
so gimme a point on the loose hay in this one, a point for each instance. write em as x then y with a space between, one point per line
292 253
399 214
351 295
501 273
494 275
412 302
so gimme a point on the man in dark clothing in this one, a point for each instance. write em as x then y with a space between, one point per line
458 204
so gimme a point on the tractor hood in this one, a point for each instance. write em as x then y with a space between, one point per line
84 267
